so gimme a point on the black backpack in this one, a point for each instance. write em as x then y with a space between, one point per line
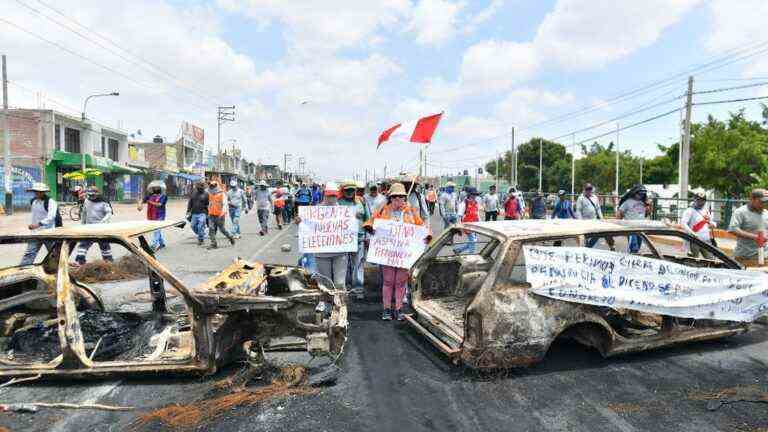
58 221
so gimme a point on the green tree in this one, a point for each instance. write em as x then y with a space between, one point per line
598 166
556 166
727 156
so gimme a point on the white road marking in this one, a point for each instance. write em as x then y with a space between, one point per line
267 244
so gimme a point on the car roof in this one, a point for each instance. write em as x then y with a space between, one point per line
126 229
526 228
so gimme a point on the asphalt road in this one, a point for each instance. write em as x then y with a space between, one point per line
392 380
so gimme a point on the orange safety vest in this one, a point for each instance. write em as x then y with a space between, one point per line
409 215
216 204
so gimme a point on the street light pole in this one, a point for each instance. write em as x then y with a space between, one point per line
85 108
224 114
617 159
541 161
8 186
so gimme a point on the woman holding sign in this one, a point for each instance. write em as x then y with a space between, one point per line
395 278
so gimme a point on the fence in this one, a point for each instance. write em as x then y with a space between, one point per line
661 208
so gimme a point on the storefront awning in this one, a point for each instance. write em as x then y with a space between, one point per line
101 163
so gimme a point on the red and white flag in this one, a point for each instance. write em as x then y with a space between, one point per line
417 131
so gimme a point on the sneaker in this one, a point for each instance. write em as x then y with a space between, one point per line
232 240
279 227
261 233
400 316
386 315
213 246
199 242
236 237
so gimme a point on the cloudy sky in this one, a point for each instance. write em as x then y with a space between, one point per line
321 79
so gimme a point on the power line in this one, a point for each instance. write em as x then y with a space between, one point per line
629 126
89 60
731 88
731 101
151 66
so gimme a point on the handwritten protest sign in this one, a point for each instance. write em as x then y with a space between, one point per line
396 244
325 229
626 281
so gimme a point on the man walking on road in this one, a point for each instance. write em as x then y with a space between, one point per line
263 206
491 204
697 222
96 210
633 206
156 201
563 208
448 204
217 214
236 199
197 211
539 206
588 207
748 225
513 209
303 197
45 214
431 197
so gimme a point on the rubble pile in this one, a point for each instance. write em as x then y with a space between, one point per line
125 268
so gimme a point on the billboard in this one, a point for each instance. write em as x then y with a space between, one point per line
192 136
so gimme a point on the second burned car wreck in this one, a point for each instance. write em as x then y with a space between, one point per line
57 325
476 303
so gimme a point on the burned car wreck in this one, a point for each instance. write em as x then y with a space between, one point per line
475 304
55 324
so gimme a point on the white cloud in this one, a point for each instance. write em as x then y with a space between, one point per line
483 16
313 27
435 21
593 33
497 65
527 105
739 24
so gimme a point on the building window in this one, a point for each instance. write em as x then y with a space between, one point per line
72 140
57 137
100 150
113 147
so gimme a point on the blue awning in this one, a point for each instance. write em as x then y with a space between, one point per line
190 177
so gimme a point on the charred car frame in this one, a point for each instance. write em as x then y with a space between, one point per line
476 308
246 307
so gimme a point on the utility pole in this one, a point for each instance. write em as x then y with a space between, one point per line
286 156
685 147
512 159
385 171
224 114
617 159
6 146
642 159
573 164
541 161
497 171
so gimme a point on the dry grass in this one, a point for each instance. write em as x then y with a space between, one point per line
624 408
748 392
290 382
125 268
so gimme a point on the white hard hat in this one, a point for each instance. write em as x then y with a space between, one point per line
39 187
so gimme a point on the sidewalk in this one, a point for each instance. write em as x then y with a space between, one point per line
17 223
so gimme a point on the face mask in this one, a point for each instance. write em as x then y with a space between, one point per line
449 190
349 193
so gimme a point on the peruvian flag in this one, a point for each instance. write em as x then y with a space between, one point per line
418 131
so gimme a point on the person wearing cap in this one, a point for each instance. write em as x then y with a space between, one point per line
448 204
634 206
156 201
431 198
263 206
356 259
278 203
697 221
331 265
197 211
468 211
491 204
236 200
96 210
538 206
563 208
45 215
513 208
394 278
748 225
217 213
303 197
374 199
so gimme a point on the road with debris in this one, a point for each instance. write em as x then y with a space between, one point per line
393 380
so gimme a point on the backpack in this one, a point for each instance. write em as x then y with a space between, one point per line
57 221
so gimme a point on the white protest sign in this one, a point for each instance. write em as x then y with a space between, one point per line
327 229
396 244
618 280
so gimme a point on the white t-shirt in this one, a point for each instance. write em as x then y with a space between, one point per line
691 217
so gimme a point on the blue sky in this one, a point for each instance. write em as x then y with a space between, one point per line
364 66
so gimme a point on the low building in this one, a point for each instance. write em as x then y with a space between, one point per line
48 144
163 160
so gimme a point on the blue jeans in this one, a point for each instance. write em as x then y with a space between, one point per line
634 243
199 225
234 216
157 239
468 247
33 247
449 220
355 266
592 242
